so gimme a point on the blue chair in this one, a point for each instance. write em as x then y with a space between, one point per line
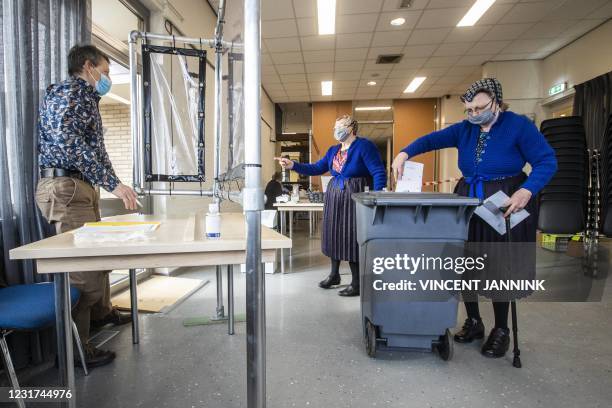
30 308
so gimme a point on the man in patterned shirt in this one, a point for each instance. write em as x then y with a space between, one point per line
72 160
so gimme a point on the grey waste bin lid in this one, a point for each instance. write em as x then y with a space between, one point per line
413 199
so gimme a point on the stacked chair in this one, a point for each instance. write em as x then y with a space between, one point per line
606 181
563 202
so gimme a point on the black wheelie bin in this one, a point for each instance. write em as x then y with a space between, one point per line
430 226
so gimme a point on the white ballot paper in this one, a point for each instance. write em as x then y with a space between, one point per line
412 179
490 212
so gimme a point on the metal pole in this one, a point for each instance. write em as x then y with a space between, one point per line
63 321
220 311
253 205
203 193
230 299
137 172
134 305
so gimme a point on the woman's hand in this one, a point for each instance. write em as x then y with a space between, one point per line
518 201
285 163
398 166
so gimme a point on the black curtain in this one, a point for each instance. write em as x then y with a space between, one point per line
593 101
35 36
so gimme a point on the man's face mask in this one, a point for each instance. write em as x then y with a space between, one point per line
341 133
103 85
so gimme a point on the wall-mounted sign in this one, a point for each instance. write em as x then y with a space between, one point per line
557 89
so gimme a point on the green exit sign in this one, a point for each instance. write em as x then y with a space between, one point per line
557 89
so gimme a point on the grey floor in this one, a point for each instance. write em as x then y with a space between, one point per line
316 357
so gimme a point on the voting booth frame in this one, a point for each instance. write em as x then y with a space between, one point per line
251 195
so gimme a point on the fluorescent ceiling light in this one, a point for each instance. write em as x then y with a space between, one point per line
326 88
372 108
414 85
371 83
289 133
474 14
118 98
398 21
326 16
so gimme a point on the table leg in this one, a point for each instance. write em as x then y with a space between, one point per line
134 305
230 299
220 311
282 231
63 321
291 237
310 223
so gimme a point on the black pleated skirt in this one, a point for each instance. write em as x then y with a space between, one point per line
339 228
521 253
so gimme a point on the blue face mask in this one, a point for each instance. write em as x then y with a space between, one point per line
483 118
341 134
103 85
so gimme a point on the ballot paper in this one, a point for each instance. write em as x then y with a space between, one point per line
490 212
113 232
412 179
325 181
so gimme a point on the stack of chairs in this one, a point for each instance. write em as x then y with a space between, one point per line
563 202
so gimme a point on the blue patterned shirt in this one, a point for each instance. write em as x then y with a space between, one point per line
70 133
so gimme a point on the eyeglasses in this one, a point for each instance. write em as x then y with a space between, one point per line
478 109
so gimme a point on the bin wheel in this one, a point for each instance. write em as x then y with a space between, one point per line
445 346
370 339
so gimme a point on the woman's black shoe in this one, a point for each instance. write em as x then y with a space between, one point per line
330 281
497 344
350 290
472 329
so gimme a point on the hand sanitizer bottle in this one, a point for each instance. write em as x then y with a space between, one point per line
213 222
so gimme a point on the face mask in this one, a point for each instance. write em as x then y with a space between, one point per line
103 85
483 118
341 134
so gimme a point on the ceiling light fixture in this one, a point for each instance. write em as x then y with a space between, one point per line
371 83
326 13
474 13
372 108
326 88
415 84
398 21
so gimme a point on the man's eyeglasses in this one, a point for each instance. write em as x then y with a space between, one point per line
479 109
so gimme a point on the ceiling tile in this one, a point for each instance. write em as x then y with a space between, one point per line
283 44
394 83
411 17
449 50
286 78
356 23
582 27
467 34
287 58
391 5
402 74
437 4
448 17
411 63
290 69
268 70
307 26
348 75
547 29
511 57
278 28
276 10
318 56
375 52
473 60
450 80
341 66
318 42
507 31
270 79
297 86
319 76
274 87
357 40
358 6
428 36
530 12
465 70
317 67
603 12
575 9
351 54
495 14
304 8
525 46
412 51
435 62
488 47
388 38
265 59
346 85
